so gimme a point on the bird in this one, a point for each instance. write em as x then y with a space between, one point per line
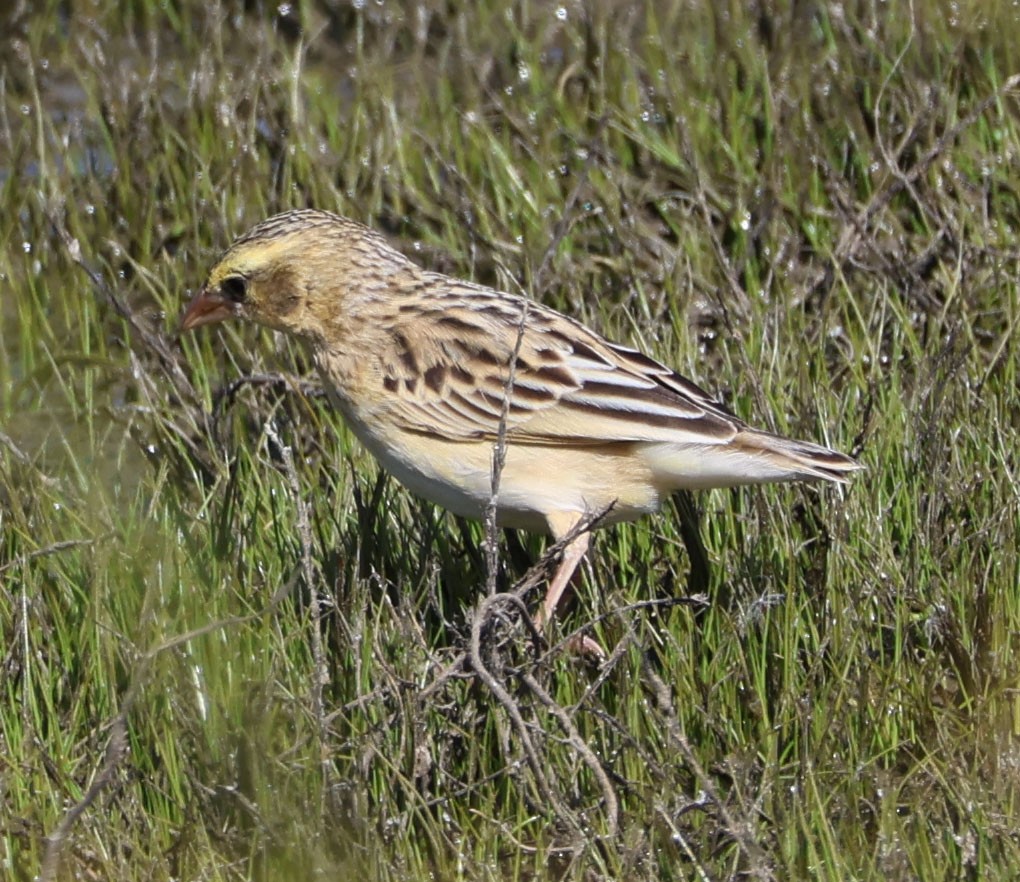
431 372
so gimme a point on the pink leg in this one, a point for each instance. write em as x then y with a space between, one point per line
572 555
559 526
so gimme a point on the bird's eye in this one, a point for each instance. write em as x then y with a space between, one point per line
234 288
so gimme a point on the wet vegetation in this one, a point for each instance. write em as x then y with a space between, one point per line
232 650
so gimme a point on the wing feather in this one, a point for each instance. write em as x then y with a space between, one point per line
570 385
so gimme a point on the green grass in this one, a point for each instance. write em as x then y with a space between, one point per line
224 638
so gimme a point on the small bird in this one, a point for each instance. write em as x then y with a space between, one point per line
425 368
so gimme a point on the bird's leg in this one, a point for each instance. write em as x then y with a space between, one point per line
572 555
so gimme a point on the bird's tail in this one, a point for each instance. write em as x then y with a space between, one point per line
783 459
751 456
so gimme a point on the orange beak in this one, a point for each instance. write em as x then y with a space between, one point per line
205 309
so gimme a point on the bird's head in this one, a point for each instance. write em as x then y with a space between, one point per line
295 272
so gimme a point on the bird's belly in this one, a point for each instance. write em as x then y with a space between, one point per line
462 484
536 481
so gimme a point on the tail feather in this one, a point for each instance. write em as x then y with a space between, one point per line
750 457
801 460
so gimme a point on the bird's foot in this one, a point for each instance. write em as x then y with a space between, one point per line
587 648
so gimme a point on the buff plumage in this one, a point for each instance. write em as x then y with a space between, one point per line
419 364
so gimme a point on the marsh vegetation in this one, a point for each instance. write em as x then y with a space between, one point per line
231 649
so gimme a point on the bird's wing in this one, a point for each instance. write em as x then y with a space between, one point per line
570 386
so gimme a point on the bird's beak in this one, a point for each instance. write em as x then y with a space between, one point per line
206 308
